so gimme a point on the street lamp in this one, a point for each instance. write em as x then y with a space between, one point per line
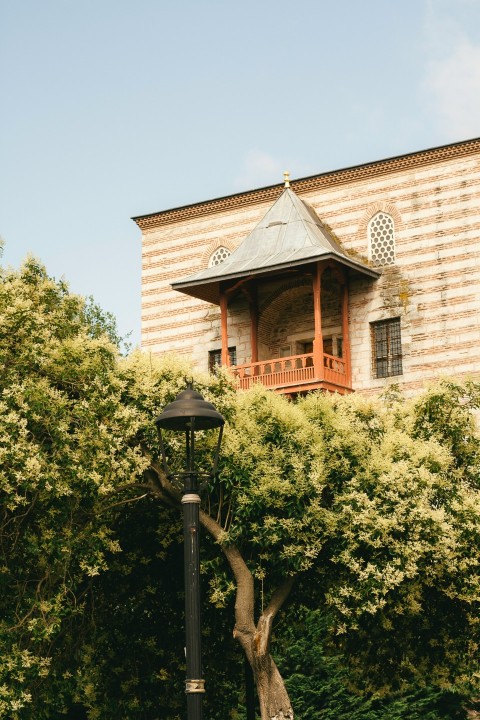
188 413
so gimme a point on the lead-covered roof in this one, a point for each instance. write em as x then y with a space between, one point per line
289 235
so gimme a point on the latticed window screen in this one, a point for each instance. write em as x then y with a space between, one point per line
386 348
215 358
382 240
219 256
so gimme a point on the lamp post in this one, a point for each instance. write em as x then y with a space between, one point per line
188 413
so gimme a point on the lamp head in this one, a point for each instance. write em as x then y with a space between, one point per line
189 405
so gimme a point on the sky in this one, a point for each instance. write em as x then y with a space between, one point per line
117 108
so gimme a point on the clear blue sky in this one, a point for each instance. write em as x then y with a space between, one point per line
116 108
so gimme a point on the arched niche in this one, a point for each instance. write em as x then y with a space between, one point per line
286 323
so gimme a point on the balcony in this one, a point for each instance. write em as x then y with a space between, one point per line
295 374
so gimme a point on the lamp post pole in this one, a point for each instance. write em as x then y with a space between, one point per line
189 412
194 684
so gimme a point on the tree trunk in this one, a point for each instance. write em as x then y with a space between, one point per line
255 641
271 690
255 638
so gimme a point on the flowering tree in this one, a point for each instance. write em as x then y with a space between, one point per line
370 505
377 501
75 419
62 450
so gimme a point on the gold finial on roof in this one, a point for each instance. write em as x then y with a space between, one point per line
286 177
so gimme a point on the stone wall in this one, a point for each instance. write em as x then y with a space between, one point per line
434 287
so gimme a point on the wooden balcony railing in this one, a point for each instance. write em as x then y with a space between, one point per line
292 371
335 370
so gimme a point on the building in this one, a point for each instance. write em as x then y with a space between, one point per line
347 280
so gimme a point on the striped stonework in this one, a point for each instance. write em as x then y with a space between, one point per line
433 287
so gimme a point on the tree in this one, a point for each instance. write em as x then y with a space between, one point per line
371 503
62 453
384 515
405 533
75 497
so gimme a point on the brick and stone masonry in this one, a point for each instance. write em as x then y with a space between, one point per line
433 286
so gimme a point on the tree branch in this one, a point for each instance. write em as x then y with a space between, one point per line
161 485
279 597
244 600
264 626
124 502
126 486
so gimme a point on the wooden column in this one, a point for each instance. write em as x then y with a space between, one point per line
253 304
345 334
317 313
223 320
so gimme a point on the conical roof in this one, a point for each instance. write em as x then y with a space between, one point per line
290 234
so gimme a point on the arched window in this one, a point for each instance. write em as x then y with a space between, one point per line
381 239
219 256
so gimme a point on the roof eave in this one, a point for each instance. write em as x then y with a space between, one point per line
186 286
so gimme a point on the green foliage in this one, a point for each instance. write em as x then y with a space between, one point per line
89 612
318 682
444 412
373 504
63 449
268 490
401 572
382 513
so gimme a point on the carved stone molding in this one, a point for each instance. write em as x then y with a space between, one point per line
219 242
380 206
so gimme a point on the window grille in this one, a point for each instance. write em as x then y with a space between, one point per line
215 358
219 256
381 239
386 348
